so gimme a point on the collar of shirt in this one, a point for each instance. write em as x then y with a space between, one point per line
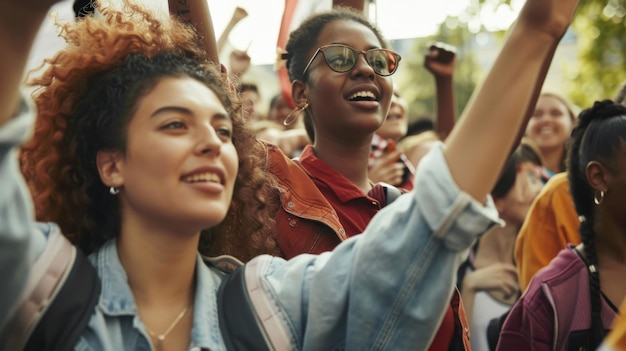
117 299
334 181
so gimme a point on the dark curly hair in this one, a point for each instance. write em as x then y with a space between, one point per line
86 95
600 132
304 38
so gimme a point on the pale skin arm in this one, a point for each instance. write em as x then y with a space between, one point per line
238 15
497 113
19 23
197 13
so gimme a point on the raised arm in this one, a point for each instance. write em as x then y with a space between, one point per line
478 146
239 14
19 23
356 4
197 13
440 61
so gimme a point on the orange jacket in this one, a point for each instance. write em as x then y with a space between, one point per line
551 223
304 211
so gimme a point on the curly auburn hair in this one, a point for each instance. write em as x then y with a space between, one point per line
85 97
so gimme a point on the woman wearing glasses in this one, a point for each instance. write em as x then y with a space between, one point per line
341 72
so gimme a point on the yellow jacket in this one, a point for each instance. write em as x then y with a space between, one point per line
551 223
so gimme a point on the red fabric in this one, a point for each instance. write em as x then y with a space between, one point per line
444 334
555 306
306 222
354 208
321 208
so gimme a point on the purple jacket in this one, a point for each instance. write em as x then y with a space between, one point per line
555 311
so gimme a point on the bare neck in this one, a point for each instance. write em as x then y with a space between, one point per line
497 245
160 265
610 238
349 160
552 159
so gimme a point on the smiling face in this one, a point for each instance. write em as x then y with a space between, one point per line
353 103
180 164
551 124
396 123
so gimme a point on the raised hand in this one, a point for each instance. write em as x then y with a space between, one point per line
551 17
239 62
33 5
440 59
239 14
497 277
387 169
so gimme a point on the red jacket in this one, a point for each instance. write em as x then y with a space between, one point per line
306 221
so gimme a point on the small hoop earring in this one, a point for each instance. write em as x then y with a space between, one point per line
293 115
598 199
114 191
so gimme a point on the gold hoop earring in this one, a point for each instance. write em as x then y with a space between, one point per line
598 199
293 115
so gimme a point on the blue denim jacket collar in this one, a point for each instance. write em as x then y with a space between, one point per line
117 299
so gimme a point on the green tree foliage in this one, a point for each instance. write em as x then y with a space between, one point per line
597 73
601 38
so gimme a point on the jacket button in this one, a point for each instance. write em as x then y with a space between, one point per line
290 204
341 231
293 223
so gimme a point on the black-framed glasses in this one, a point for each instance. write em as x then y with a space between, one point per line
342 58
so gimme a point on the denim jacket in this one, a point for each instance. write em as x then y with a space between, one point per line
386 294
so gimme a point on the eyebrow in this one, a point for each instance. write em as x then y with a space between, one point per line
186 111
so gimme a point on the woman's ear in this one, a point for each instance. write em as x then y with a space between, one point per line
110 166
597 175
299 92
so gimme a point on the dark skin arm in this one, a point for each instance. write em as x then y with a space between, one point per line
499 110
440 61
355 4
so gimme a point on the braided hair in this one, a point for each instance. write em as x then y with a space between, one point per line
598 136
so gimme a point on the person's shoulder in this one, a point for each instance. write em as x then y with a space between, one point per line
558 183
565 266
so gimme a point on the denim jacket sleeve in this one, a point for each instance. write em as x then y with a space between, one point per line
19 241
388 288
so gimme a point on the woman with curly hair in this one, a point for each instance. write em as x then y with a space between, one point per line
85 102
565 305
143 148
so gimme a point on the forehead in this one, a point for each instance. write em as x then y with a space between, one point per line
348 32
551 101
181 91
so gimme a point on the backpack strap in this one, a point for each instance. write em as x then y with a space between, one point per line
51 314
238 322
249 319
